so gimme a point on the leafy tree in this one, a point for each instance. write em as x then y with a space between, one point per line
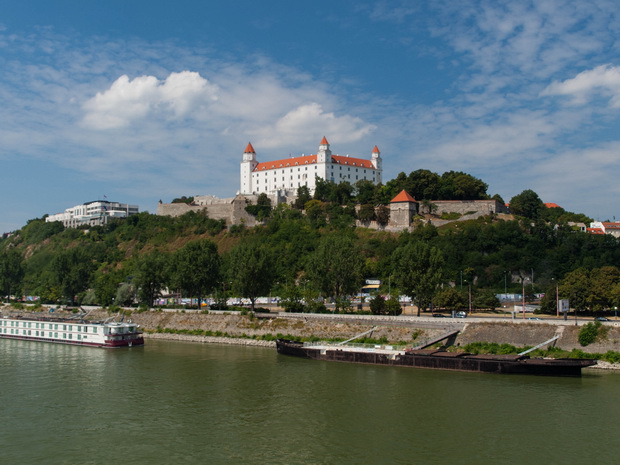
485 299
383 215
150 276
315 212
125 294
418 269
303 197
456 185
450 299
365 192
335 268
195 269
377 305
424 185
106 286
11 272
392 306
250 268
576 287
72 270
527 204
262 209
366 213
183 199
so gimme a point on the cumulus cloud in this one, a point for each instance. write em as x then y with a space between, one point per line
305 122
129 100
604 80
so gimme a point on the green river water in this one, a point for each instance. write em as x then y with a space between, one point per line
177 403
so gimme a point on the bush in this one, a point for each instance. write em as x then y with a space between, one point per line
588 333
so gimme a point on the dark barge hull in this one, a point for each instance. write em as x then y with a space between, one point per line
441 360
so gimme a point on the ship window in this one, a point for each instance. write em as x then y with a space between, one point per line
64 335
64 327
70 327
94 330
70 336
50 334
79 337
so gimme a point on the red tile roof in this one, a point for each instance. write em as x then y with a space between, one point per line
286 162
403 197
552 205
595 231
376 150
610 225
249 148
324 141
311 159
341 160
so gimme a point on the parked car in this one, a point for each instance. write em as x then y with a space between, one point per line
601 318
440 315
534 318
460 315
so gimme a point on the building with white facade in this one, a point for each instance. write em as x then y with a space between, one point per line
284 177
94 213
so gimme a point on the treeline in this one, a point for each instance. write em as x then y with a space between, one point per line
303 259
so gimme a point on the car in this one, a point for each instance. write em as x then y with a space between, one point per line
534 318
440 315
460 315
601 318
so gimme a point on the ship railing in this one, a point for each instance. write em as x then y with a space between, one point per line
356 345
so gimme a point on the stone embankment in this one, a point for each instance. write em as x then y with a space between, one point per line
259 330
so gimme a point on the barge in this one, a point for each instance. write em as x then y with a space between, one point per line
433 359
71 331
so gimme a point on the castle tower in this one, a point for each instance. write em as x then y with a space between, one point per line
377 163
403 208
324 154
247 166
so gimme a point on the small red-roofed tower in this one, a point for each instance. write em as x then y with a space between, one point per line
324 154
403 208
247 166
377 163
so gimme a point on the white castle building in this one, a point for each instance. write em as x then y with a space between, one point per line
94 213
285 176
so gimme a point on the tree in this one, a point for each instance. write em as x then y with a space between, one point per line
250 269
576 287
195 269
377 305
418 269
11 272
366 213
527 204
383 215
450 299
72 271
486 299
335 267
150 275
303 197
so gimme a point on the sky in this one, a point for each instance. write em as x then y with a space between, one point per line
141 101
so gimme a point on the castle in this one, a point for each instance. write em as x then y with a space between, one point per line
280 180
283 177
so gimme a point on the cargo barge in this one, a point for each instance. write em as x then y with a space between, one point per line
433 359
109 334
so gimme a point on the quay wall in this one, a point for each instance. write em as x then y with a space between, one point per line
406 329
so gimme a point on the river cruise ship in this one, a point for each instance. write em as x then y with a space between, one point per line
70 331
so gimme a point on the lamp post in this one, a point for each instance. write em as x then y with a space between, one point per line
469 286
505 286
523 297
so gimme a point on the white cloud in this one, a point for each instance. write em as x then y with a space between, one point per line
129 100
305 122
604 79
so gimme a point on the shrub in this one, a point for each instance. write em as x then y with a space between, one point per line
588 333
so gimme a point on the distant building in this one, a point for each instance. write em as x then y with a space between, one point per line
94 213
605 227
284 177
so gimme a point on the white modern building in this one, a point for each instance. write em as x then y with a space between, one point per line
285 176
94 213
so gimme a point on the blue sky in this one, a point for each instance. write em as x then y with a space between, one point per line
141 101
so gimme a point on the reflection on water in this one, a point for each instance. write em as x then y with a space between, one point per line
170 402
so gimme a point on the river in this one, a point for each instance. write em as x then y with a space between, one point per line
176 403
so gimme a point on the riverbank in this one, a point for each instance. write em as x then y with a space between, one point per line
261 330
